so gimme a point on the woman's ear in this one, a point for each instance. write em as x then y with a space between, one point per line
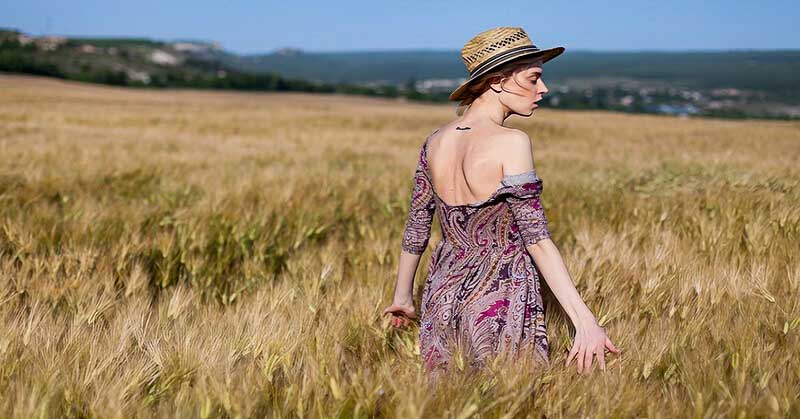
495 83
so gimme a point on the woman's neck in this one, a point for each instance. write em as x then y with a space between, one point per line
483 111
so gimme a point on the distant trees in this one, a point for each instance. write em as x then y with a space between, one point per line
129 62
18 58
193 73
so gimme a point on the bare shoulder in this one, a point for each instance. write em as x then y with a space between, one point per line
517 141
517 156
438 132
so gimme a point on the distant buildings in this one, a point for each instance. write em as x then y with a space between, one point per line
164 58
431 85
685 109
195 47
629 96
44 43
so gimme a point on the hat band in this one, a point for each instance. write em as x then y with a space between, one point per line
505 54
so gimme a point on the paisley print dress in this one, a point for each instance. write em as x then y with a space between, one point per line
482 289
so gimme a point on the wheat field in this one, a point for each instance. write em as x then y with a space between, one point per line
219 254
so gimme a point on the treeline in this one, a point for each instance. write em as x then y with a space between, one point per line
131 65
18 58
193 73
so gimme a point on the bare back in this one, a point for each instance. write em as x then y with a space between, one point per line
466 166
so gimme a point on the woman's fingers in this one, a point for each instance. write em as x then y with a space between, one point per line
401 317
571 355
401 314
611 346
601 358
584 353
588 357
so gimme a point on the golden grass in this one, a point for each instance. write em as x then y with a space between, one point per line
185 254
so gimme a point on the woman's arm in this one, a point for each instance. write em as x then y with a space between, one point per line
406 271
551 265
533 227
590 338
402 307
416 235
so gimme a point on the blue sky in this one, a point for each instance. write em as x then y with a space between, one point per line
262 26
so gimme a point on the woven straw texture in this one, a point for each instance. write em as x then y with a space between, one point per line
491 42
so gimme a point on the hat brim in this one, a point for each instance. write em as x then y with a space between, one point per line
545 54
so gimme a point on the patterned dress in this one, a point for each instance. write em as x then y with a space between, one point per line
482 289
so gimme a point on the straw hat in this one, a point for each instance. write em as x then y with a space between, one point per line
496 46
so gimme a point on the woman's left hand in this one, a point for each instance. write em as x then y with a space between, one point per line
590 341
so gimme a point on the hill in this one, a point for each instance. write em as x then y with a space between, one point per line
737 84
143 63
772 71
744 82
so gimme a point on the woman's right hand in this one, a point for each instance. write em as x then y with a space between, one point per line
402 313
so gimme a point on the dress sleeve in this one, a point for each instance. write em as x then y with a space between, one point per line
421 209
524 199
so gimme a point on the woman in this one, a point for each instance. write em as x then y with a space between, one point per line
483 289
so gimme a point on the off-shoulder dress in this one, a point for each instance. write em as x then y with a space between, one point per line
482 289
